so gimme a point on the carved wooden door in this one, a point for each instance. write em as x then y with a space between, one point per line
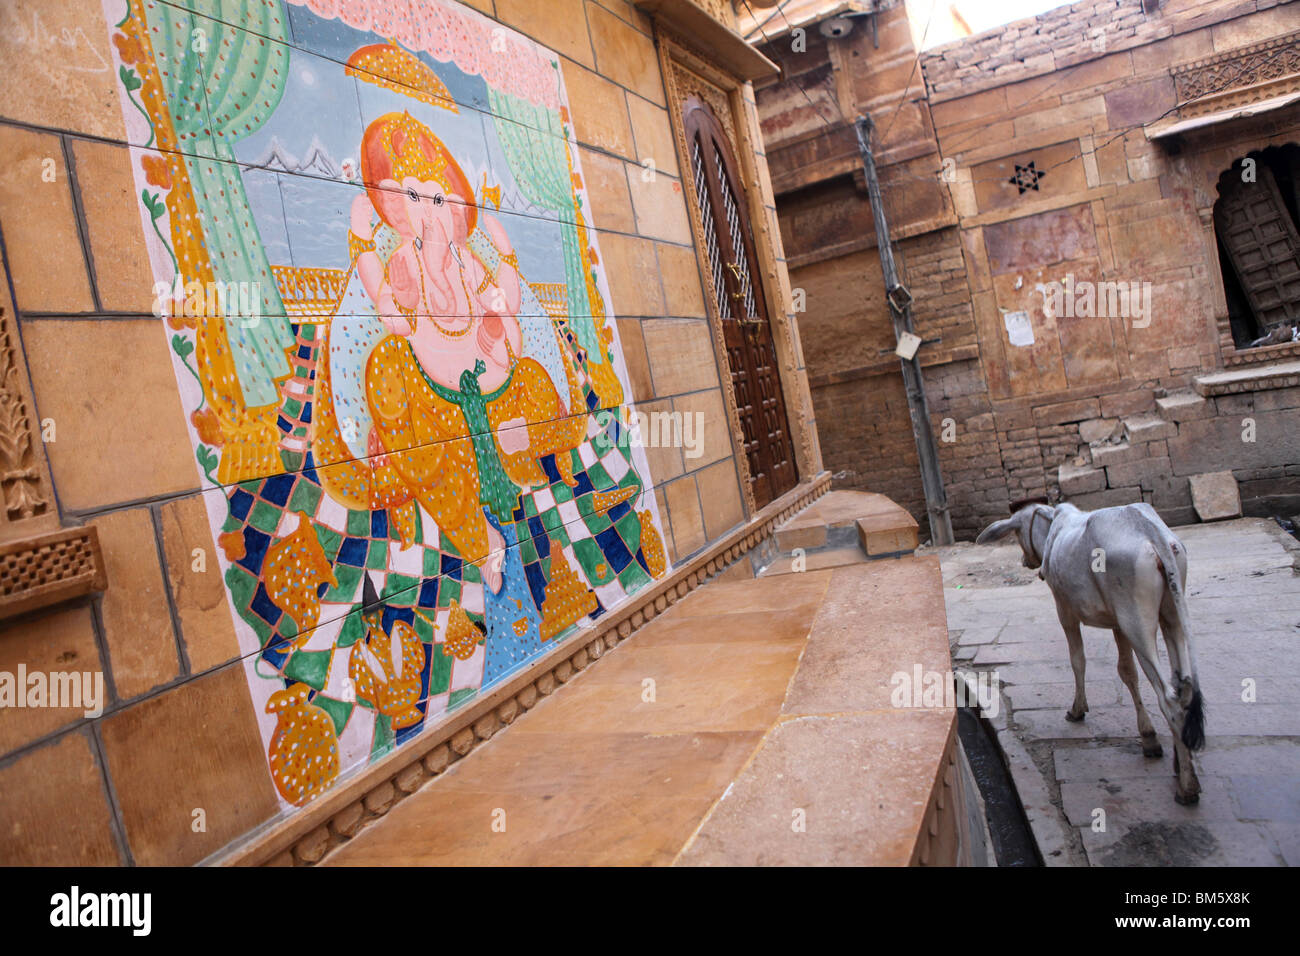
741 305
1256 230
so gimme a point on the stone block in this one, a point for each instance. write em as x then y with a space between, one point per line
720 498
109 198
560 25
1184 407
808 536
887 533
58 639
1077 481
1107 499
653 135
599 110
1169 491
40 223
1126 403
624 54
1099 429
1103 455
1215 496
218 765
1066 412
55 811
1215 444
96 459
1145 428
197 587
137 625
1141 473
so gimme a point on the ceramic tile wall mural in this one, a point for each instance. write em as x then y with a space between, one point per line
386 308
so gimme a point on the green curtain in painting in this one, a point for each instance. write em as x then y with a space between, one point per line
533 140
228 81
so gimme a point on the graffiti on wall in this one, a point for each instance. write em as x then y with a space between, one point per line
386 309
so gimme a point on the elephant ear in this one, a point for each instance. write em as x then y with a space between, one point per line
998 530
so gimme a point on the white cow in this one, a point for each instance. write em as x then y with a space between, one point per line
1142 585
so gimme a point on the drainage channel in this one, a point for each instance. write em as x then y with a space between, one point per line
1013 843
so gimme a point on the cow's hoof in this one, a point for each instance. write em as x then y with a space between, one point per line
1073 717
1187 799
1152 749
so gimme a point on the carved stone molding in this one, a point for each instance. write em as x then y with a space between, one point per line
1239 77
24 481
40 563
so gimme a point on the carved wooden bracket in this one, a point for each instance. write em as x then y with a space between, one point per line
40 562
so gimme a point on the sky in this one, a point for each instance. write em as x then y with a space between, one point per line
980 14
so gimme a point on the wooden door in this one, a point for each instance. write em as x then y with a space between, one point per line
741 304
1256 230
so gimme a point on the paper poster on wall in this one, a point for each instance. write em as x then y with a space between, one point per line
1019 330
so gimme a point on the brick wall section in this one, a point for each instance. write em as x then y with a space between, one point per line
1065 37
932 266
1188 435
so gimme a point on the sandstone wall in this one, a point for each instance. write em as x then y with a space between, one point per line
1040 125
177 765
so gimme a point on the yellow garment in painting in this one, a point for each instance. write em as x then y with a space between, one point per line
425 440
295 568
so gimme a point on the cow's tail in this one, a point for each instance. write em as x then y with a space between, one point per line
1189 689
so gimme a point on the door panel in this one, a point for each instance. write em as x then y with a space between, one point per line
741 305
1256 230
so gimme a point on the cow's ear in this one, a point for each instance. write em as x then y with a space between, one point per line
997 530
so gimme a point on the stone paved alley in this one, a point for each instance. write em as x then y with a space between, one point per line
1244 596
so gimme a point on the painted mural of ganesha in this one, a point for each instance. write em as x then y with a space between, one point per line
416 497
448 409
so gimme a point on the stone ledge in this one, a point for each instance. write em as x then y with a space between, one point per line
1254 379
770 699
297 839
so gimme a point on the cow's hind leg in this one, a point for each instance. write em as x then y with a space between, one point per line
1189 704
1141 634
1078 664
1129 675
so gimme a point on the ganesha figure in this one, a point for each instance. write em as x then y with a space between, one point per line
426 396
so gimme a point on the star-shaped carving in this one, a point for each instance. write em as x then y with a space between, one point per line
1027 177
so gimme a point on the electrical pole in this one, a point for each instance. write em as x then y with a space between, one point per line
900 310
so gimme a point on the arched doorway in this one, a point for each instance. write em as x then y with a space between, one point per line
740 303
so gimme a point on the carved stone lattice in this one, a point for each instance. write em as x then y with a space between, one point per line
20 475
58 566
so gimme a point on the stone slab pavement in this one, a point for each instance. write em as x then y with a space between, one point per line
1090 796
